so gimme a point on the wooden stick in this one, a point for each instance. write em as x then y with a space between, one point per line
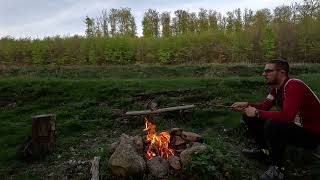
227 107
95 168
132 113
220 105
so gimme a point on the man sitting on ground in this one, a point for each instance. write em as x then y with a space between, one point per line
297 120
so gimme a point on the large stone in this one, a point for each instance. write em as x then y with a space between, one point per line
138 142
190 136
186 155
158 167
126 161
174 162
114 146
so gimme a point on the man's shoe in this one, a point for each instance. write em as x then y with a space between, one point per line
255 153
273 173
316 152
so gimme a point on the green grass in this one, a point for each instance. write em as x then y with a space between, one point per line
92 100
145 71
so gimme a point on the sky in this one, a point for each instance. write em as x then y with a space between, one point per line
42 18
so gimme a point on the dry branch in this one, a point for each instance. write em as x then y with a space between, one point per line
95 168
176 108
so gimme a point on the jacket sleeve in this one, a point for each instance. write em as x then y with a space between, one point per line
293 97
267 103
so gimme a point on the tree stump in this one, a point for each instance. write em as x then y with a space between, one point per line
43 134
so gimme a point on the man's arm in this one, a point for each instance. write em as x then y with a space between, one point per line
292 102
267 103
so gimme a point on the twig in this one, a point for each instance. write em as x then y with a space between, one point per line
95 168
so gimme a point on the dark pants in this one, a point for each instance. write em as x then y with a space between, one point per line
273 135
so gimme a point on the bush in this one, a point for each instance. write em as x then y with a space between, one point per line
215 162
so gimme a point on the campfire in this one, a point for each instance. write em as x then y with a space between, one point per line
157 143
155 155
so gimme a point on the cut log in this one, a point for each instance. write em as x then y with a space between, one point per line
176 108
43 134
95 168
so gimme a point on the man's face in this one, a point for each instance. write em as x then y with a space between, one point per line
271 74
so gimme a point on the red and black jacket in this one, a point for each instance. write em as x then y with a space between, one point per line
298 103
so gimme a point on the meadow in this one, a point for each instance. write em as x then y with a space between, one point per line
89 103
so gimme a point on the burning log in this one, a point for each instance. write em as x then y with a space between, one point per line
159 145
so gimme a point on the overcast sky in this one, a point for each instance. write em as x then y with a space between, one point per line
40 18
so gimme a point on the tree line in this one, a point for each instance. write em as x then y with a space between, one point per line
206 36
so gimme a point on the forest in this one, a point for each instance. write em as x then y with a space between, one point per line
179 37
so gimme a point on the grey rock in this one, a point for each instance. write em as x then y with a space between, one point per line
190 136
126 161
174 162
186 155
158 167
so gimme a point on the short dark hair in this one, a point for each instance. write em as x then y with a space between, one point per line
280 63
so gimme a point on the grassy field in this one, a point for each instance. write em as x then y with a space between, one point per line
89 103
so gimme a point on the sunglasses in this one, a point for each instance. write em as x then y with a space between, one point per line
268 70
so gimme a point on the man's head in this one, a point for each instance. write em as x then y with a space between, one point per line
275 71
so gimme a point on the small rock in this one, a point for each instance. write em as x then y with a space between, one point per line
71 162
71 149
179 141
14 104
194 144
59 156
227 175
190 136
179 150
174 162
181 147
51 174
175 131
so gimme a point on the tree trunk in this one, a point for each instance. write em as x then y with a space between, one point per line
43 134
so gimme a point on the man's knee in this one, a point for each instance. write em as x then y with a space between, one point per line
249 120
273 129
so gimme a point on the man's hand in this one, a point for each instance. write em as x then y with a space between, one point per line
250 111
239 105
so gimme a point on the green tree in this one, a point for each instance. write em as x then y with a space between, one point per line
203 20
165 23
213 22
89 26
150 24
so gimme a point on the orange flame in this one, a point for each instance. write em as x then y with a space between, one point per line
159 142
